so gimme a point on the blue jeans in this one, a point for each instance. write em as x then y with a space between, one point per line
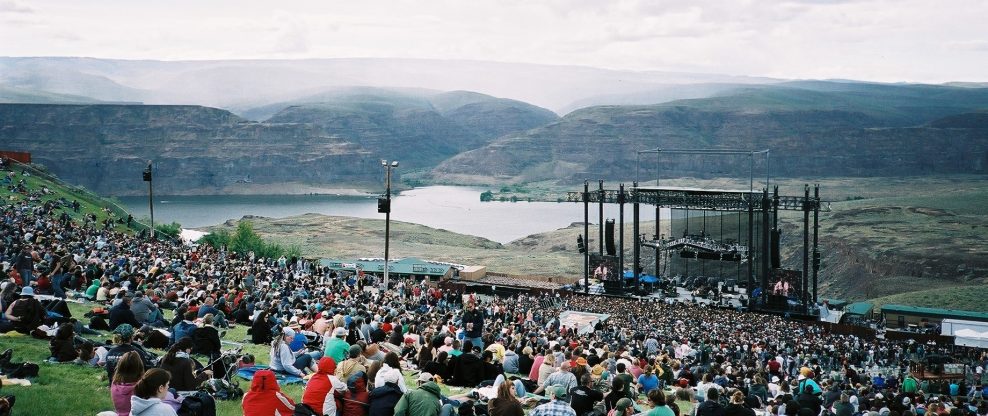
477 343
27 275
519 386
303 362
56 284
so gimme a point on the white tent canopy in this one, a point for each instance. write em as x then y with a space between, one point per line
966 333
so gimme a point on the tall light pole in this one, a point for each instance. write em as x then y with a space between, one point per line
148 179
384 205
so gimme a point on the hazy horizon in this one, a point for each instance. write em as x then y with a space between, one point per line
863 40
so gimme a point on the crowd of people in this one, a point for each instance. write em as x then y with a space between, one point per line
353 344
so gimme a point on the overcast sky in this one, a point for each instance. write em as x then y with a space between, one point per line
899 40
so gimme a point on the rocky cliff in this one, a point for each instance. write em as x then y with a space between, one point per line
601 142
201 150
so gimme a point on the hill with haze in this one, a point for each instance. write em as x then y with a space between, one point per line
324 146
241 85
811 128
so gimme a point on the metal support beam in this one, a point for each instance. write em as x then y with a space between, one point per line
621 198
586 236
816 233
765 249
600 242
635 214
804 291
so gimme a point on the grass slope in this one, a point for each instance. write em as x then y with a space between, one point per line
968 298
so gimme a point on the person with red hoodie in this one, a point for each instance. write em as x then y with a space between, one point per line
265 397
321 389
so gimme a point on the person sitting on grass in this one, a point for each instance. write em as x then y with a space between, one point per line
62 345
265 397
124 335
130 368
149 394
182 368
25 314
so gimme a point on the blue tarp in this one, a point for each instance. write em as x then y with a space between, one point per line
650 279
629 275
247 373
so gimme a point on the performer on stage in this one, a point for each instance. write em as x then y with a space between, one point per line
782 288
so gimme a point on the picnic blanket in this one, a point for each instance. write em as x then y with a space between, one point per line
247 373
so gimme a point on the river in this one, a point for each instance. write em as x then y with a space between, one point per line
453 208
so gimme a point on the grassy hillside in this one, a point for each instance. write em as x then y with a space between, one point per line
968 298
36 177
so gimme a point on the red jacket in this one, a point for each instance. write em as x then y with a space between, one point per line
356 400
265 397
320 386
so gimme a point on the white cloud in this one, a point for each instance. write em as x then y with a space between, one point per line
884 40
10 6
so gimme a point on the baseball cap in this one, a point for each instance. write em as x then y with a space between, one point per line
424 377
558 391
339 332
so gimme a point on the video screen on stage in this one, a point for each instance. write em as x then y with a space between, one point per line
604 268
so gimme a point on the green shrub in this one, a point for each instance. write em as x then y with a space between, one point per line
169 230
244 240
486 196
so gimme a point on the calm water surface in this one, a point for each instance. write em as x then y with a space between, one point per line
453 208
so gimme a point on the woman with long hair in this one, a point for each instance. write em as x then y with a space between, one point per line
283 360
648 381
149 392
548 367
129 370
391 367
182 368
260 329
505 404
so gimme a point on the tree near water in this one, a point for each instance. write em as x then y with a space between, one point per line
245 240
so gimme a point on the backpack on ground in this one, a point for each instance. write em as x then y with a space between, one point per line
199 403
302 409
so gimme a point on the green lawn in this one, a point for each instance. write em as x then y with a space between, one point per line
68 389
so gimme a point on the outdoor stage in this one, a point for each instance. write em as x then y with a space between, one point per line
584 322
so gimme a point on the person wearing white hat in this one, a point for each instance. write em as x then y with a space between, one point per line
336 346
25 314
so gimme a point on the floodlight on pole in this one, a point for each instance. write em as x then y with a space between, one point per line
384 205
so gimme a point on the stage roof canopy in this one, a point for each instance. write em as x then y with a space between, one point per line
690 190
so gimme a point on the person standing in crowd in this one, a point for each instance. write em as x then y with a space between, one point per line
24 264
473 324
